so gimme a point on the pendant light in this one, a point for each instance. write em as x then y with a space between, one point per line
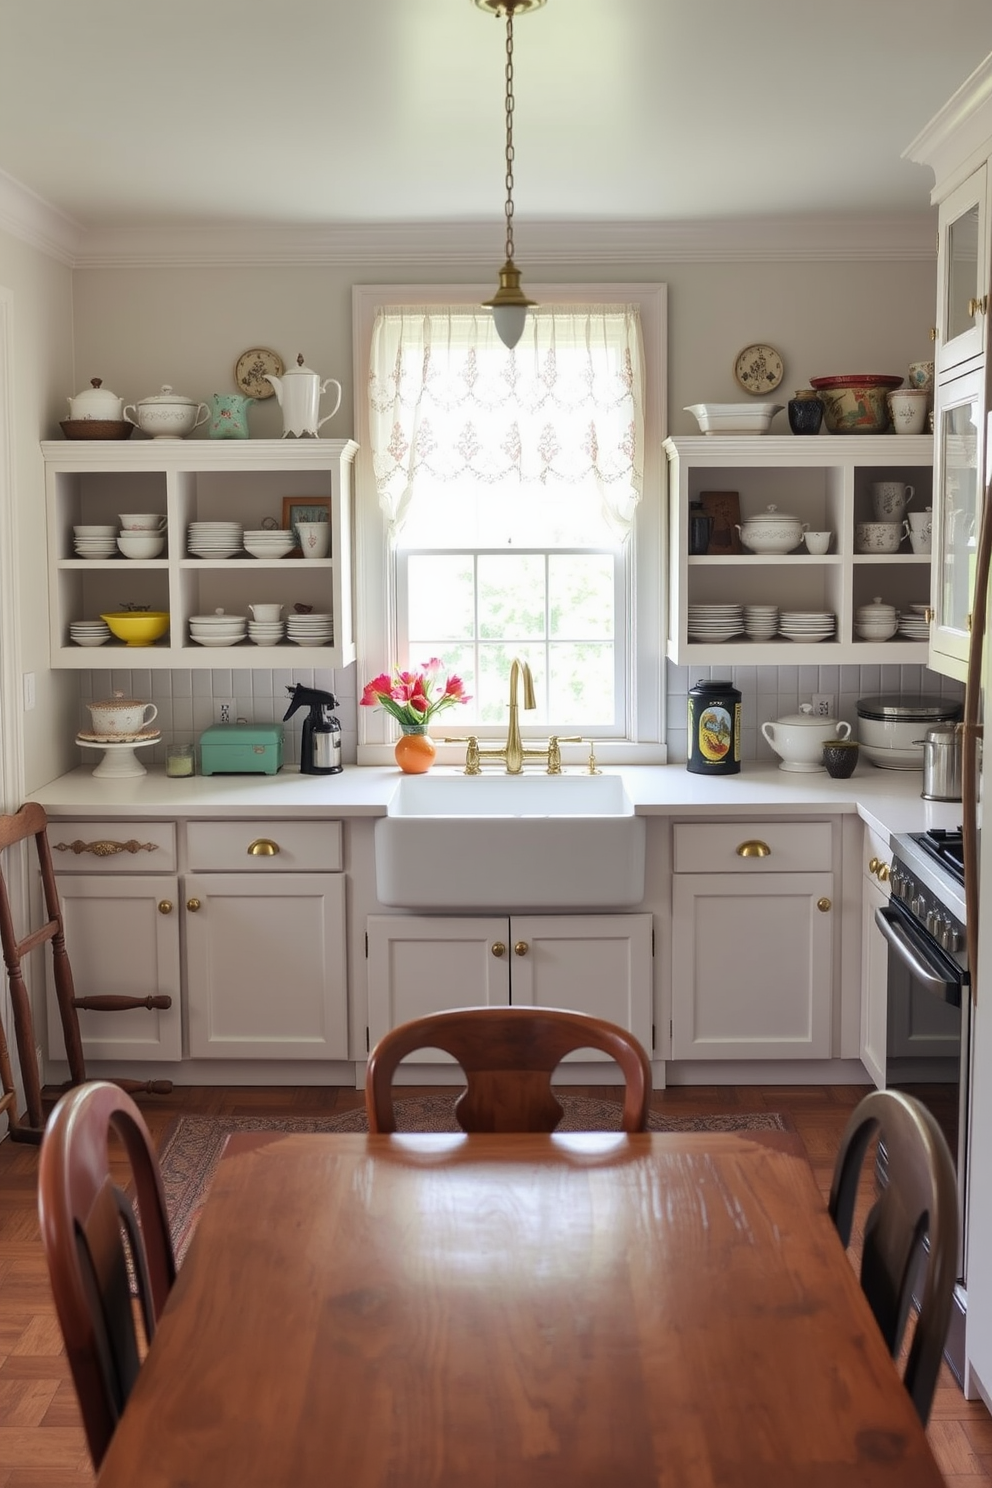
509 304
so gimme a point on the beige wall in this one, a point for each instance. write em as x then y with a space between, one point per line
40 291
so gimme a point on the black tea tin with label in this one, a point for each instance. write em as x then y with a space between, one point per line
714 729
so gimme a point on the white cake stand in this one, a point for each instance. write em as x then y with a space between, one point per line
119 759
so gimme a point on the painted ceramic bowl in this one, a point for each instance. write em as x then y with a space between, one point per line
859 408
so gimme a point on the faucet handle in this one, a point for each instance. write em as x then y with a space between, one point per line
554 753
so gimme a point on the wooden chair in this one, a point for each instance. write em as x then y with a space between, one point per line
919 1201
508 1056
31 821
85 1217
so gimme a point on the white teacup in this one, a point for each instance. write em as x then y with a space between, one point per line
908 409
890 499
817 542
121 715
315 538
877 537
921 537
266 611
922 520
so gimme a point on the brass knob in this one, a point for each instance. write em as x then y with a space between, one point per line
872 865
262 848
192 905
165 906
521 948
754 849
823 905
883 872
499 949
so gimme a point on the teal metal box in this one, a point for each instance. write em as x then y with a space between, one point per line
241 749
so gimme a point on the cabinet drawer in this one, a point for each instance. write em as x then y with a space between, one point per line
113 846
301 846
714 847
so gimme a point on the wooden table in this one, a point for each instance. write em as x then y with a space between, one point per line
507 1312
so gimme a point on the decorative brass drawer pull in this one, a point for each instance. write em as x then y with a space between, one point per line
824 905
882 872
165 906
262 848
499 949
192 905
872 865
105 849
521 948
754 849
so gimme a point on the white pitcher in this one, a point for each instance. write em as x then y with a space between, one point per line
298 392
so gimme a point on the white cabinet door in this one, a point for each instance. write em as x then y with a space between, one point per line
420 964
266 965
598 964
122 936
874 979
752 966
962 272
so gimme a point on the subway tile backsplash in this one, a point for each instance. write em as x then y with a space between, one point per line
767 693
186 699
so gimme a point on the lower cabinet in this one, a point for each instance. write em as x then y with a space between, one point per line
874 959
753 940
597 964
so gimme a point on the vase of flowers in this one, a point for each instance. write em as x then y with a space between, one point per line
413 699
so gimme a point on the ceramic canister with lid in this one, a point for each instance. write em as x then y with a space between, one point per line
714 729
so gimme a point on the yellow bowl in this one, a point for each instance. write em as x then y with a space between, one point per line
138 627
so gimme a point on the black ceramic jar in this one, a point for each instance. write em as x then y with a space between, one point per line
805 415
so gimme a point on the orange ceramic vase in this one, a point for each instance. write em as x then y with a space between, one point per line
415 751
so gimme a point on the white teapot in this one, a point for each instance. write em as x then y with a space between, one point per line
298 392
96 402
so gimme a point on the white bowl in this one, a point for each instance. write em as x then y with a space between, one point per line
141 521
141 545
268 550
734 418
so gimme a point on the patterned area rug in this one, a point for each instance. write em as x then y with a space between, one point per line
193 1145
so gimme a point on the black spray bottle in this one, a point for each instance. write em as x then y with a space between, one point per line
320 753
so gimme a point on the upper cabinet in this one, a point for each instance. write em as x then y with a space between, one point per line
957 146
252 482
826 482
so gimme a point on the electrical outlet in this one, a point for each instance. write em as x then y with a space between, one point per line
823 704
223 710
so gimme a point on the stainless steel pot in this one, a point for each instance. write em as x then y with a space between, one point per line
942 757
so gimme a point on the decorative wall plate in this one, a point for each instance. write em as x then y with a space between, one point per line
250 370
758 369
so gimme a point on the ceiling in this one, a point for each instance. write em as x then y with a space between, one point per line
317 112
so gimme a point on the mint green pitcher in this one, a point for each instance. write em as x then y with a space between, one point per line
229 416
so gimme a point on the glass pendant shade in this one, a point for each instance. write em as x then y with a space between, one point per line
509 323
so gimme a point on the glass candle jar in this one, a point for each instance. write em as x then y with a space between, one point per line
179 760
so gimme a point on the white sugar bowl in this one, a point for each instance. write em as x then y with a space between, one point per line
167 415
799 738
772 531
96 402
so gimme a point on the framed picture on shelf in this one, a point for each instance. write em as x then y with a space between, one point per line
303 509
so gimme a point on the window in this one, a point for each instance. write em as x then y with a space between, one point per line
503 511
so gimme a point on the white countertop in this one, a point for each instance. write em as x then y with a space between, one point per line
888 800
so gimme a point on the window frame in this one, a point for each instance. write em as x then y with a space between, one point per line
646 567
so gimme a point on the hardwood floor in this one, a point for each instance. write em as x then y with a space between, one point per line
41 1441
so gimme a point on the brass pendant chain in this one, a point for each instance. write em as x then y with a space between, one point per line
509 132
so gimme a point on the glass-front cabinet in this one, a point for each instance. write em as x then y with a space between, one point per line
959 461
963 272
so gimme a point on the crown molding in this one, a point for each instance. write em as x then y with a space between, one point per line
472 245
28 217
959 136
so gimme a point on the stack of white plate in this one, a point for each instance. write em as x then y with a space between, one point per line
761 622
913 625
214 539
310 630
260 542
807 625
715 622
266 632
218 629
95 541
89 632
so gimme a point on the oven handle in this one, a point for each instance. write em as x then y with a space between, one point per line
932 976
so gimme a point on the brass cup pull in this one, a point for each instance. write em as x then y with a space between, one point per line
754 849
262 847
192 905
521 948
824 905
165 906
499 949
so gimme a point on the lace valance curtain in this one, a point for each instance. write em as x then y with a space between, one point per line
448 402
